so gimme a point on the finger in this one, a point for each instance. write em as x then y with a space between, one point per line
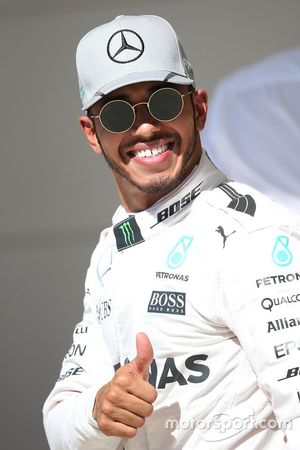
136 405
144 356
111 428
126 390
126 417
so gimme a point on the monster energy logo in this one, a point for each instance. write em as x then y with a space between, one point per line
127 233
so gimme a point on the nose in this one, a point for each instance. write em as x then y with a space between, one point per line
144 123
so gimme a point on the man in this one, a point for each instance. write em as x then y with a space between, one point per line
258 142
190 333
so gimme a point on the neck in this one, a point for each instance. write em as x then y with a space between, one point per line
136 201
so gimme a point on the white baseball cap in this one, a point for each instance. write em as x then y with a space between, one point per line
127 50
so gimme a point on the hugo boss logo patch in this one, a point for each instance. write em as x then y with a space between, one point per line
127 233
167 302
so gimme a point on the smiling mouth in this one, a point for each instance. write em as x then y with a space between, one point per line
150 152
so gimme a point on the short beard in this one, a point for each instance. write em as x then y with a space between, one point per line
158 184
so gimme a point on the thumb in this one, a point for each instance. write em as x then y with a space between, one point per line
144 356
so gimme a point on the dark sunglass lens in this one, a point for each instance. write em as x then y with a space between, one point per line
165 104
117 116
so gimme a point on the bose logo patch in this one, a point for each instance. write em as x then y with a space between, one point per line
167 302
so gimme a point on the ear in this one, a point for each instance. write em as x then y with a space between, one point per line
89 131
201 104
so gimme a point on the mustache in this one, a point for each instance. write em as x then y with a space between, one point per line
153 137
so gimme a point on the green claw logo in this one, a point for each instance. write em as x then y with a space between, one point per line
128 233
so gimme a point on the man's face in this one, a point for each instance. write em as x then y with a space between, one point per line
152 157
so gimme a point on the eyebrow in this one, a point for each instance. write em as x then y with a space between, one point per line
127 98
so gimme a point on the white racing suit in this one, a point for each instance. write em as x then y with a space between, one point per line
211 273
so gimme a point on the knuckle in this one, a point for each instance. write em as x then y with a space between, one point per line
141 421
148 410
153 395
131 432
122 380
107 408
104 426
113 396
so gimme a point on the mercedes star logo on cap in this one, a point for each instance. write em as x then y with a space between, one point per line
125 46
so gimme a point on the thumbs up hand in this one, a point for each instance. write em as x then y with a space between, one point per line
122 405
144 356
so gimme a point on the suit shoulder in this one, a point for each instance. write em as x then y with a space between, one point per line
249 207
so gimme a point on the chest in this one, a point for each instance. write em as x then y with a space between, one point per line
168 287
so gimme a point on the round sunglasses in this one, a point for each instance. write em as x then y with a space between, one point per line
165 104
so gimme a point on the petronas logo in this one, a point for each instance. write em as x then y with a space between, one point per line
281 254
127 233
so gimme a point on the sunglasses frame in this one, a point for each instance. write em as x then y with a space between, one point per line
142 103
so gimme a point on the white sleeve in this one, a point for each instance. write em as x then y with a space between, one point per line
261 305
87 366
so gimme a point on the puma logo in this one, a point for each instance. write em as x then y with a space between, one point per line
220 230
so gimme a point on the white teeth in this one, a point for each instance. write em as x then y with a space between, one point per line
153 152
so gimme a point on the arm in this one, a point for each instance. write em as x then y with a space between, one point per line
87 366
91 406
261 305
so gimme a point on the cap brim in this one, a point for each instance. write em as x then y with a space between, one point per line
137 77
